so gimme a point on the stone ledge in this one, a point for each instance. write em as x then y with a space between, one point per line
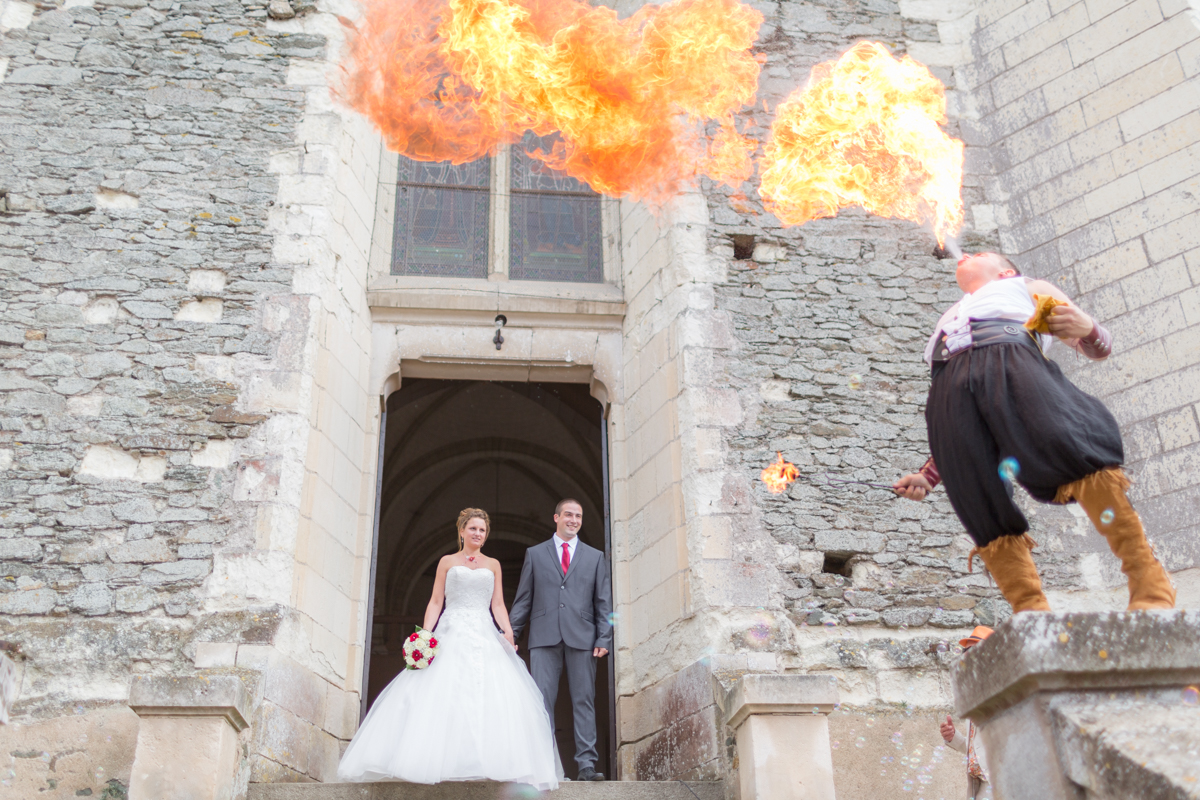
218 696
1035 652
779 694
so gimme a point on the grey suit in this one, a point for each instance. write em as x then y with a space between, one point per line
568 616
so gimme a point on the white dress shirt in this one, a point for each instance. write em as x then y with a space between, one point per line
558 543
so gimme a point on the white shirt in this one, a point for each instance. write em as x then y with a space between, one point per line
558 543
1005 298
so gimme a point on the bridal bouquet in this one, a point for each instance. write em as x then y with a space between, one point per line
419 649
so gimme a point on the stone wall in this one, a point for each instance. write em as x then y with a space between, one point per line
1089 113
807 341
184 228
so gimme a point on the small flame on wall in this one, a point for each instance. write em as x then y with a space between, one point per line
865 132
779 475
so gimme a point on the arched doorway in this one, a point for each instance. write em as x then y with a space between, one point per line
513 449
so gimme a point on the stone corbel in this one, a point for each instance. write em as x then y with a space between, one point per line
782 731
187 737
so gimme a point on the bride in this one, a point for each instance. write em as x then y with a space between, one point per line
474 713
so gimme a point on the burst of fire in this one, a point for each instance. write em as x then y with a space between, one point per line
865 132
779 475
453 79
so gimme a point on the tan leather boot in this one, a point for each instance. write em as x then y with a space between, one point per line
1102 496
1012 567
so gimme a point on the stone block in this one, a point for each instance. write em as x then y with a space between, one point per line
782 733
142 551
91 599
135 599
1058 695
186 757
28 601
220 695
844 541
45 75
283 737
215 654
291 686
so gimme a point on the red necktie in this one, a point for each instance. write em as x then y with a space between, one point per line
566 557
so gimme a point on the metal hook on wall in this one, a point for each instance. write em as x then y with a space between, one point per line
501 321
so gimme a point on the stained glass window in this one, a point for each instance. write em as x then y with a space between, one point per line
441 225
555 221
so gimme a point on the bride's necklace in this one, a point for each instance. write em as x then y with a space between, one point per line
470 558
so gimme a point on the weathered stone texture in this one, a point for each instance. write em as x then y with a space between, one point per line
175 107
1090 116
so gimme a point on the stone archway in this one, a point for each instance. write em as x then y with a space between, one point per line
513 449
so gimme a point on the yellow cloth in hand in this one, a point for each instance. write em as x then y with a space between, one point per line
1043 305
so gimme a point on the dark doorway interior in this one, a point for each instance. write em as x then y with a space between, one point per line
513 449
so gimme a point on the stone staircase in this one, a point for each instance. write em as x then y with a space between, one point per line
488 790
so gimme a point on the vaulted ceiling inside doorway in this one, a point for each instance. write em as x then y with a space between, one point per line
512 449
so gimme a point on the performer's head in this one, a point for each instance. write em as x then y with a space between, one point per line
978 270
568 518
473 527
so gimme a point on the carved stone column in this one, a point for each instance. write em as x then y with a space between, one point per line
187 744
782 731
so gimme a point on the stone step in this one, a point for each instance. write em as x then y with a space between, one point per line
489 790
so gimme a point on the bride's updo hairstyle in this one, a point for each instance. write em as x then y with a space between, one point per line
468 514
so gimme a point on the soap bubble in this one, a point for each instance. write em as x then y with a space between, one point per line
1191 695
856 381
760 631
860 741
831 623
612 619
870 722
520 791
942 647
1106 517
835 744
908 785
1009 470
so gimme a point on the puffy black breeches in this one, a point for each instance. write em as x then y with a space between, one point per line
1008 401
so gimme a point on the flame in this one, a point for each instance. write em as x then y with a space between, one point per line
865 132
779 475
454 79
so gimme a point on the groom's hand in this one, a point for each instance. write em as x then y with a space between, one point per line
599 652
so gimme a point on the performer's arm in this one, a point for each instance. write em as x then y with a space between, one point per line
920 483
519 616
1069 323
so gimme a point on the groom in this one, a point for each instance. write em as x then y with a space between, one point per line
565 596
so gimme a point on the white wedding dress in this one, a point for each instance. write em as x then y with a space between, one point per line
473 714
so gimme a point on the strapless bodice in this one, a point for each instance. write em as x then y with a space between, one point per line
469 589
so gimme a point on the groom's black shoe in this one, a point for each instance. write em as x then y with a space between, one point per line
589 774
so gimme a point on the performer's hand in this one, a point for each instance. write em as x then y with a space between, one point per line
914 486
1069 322
948 730
599 652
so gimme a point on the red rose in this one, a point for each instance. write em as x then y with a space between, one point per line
433 642
416 655
430 660
414 637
